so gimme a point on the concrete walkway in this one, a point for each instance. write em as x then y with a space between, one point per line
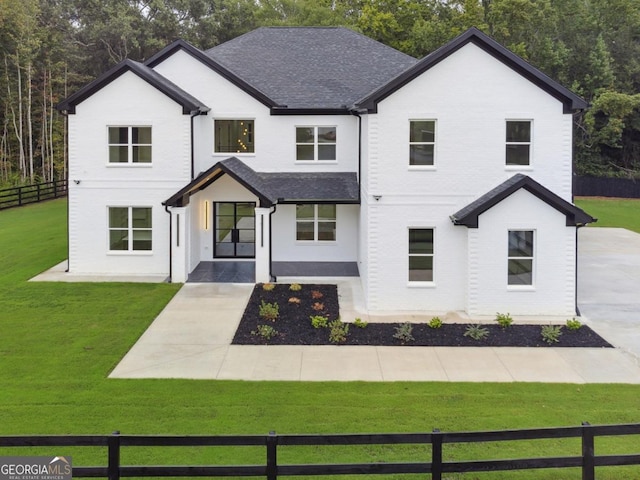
191 337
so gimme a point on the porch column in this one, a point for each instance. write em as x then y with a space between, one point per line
262 244
179 245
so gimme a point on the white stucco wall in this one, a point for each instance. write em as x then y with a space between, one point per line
275 136
286 248
470 95
127 101
553 292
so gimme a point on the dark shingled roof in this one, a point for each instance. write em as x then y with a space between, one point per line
276 187
189 103
311 67
468 216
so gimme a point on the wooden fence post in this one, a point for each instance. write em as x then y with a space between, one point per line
588 453
113 467
436 454
272 456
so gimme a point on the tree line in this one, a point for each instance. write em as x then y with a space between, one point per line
50 48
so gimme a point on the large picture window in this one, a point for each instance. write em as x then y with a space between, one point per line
520 269
518 142
130 228
421 254
129 144
422 142
316 223
315 143
234 136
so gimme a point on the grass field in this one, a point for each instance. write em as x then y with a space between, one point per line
612 212
58 342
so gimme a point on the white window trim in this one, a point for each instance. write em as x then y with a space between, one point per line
315 221
129 250
235 154
129 163
522 288
434 143
530 143
315 144
421 284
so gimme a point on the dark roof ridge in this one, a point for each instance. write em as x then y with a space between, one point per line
210 62
189 103
468 216
571 102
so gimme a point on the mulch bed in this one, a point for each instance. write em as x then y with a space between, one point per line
294 327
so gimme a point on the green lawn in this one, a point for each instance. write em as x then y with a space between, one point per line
612 212
58 343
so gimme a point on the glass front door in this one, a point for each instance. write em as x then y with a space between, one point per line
235 230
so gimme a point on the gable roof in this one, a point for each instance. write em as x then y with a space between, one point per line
181 45
276 187
189 103
468 216
570 101
311 68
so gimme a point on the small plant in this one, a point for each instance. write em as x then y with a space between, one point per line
403 332
316 294
574 324
551 333
269 311
435 322
318 306
295 287
267 287
477 332
504 319
359 323
265 331
318 321
338 331
294 300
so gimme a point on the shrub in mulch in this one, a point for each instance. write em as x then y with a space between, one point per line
294 327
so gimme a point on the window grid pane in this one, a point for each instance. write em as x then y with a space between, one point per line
520 257
518 142
129 144
130 228
316 223
422 139
315 143
421 251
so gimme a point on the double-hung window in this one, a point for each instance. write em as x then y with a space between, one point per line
234 136
520 260
421 254
422 142
518 140
316 223
130 228
315 143
129 144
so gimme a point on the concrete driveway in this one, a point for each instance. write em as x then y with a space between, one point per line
609 285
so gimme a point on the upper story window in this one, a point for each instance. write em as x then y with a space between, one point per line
520 259
421 254
422 142
315 143
518 142
129 228
316 223
234 136
129 144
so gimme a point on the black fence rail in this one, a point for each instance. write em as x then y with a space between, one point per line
18 196
586 186
271 469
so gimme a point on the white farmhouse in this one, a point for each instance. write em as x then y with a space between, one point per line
444 183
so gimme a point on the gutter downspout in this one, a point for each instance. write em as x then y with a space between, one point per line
272 277
166 209
193 115
65 114
357 114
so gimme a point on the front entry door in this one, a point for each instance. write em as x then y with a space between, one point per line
235 230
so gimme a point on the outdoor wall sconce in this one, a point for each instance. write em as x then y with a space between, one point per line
206 215
77 182
377 197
